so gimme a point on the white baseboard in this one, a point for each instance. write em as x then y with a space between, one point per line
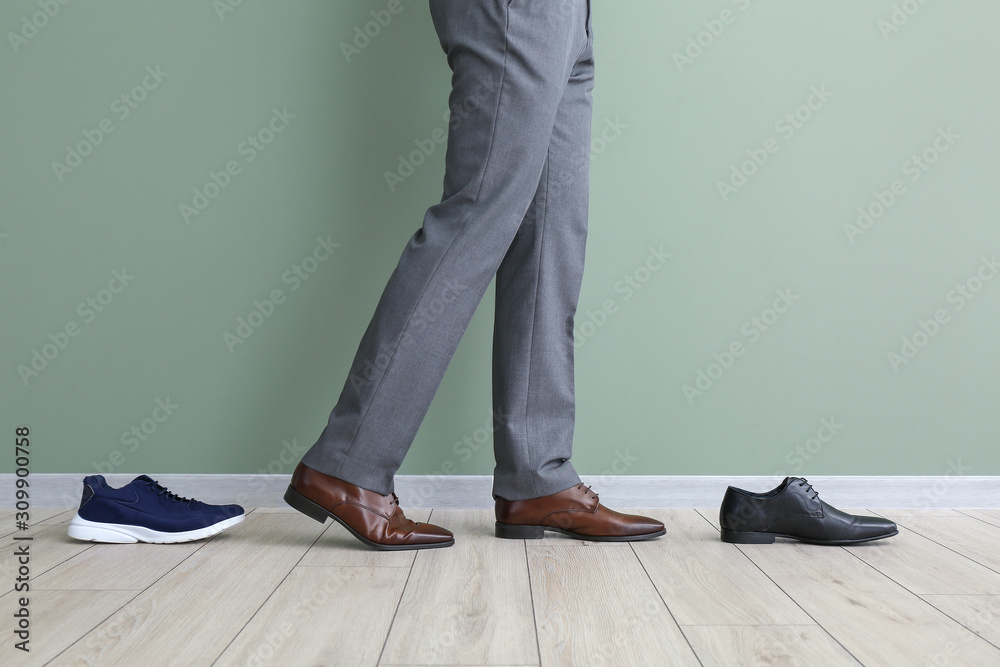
617 491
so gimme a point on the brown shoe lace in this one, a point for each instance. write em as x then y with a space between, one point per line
395 501
587 489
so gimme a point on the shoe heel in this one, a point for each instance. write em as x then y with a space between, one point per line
746 537
304 505
514 532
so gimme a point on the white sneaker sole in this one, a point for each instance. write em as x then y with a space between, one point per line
115 533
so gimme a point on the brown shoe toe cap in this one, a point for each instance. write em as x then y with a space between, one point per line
644 525
428 533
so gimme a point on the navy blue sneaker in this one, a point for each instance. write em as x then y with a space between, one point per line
145 511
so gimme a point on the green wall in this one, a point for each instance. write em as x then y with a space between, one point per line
829 107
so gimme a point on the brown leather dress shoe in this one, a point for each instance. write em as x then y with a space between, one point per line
376 520
575 512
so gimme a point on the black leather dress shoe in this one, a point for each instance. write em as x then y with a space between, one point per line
794 510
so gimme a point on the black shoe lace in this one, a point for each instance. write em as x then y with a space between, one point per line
809 488
168 494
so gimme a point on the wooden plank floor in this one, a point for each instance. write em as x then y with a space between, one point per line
281 589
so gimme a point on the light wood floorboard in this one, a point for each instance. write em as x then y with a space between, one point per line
38 516
964 534
989 516
58 548
215 591
466 604
876 619
772 645
979 613
59 618
305 622
705 581
596 605
282 589
115 566
914 512
922 565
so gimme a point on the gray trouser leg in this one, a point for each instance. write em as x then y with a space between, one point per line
537 289
514 205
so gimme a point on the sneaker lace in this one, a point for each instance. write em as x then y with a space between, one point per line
809 488
168 494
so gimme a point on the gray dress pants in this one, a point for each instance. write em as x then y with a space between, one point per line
515 206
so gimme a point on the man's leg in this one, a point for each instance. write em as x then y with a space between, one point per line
537 289
511 60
